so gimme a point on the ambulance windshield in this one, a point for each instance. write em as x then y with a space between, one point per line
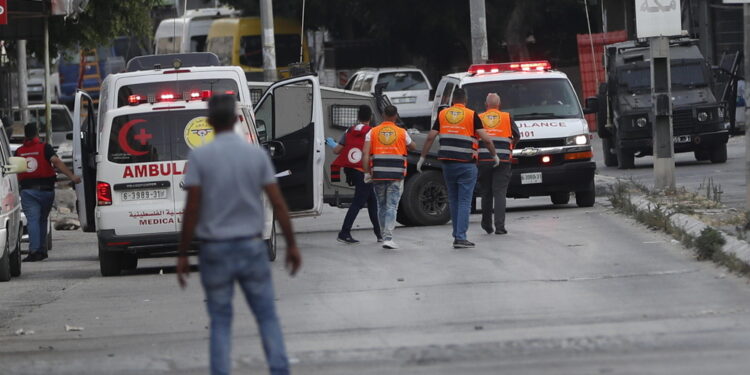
528 99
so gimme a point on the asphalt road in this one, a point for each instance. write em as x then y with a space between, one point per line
691 174
568 291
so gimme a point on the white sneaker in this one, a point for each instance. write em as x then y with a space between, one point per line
390 245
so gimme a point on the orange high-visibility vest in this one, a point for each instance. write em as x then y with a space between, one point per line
457 139
498 128
388 149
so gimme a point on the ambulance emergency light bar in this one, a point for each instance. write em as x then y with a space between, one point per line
527 66
202 95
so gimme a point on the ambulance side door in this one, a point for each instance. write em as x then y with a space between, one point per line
289 120
84 159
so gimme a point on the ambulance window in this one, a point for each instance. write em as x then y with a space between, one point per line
447 93
275 121
157 136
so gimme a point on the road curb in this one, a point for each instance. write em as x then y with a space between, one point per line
732 247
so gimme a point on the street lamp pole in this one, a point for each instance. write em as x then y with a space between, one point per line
269 43
478 16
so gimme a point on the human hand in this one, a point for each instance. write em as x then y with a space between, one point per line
331 142
420 163
76 179
497 161
293 260
368 178
183 270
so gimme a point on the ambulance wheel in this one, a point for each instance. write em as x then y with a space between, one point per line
610 158
129 262
702 155
5 263
15 257
110 261
271 242
425 199
586 198
560 197
719 154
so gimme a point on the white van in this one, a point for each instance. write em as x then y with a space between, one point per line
132 160
407 88
10 210
189 32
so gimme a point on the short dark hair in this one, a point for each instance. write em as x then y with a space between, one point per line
390 111
221 111
364 113
459 95
30 131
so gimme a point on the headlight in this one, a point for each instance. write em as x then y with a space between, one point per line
640 122
578 140
703 116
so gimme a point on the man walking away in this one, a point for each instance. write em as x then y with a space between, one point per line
458 128
225 180
349 151
385 159
37 186
494 180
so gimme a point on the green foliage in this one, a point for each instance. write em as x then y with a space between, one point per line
709 243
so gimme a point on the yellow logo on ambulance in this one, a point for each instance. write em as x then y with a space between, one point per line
198 132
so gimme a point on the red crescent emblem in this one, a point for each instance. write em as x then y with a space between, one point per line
122 138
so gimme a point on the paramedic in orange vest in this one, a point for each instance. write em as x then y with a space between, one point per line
458 128
349 151
37 186
494 180
384 160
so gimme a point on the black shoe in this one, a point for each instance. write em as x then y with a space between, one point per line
501 231
347 240
44 256
462 244
487 228
33 257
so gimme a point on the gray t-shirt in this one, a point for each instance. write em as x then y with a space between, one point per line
232 174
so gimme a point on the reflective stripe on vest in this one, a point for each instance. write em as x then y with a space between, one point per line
457 140
388 148
498 127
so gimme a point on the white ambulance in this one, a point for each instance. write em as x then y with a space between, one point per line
554 156
133 157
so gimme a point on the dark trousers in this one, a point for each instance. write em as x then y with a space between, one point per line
494 185
363 195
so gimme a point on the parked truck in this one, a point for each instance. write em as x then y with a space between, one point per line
624 117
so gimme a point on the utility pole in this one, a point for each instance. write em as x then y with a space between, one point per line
478 18
661 93
23 82
47 99
746 12
269 44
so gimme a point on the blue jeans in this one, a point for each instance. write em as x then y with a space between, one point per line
36 205
388 194
460 179
246 262
363 194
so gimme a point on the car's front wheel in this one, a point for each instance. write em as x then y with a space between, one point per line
15 257
5 262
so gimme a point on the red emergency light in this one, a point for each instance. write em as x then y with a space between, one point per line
167 97
198 95
136 99
527 66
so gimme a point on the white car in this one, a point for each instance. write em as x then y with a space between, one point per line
407 88
10 211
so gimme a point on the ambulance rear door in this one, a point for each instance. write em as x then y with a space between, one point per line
84 159
289 120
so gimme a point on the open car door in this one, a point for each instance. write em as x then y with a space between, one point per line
84 159
289 120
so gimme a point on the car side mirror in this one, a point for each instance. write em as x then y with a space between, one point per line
592 105
276 149
69 136
15 165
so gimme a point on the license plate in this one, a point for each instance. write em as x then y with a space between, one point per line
531 178
682 139
140 195
405 100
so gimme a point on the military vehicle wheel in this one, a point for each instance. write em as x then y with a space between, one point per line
110 262
625 159
610 158
401 216
719 154
560 197
702 155
425 199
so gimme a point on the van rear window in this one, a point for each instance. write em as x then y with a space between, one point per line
180 90
157 136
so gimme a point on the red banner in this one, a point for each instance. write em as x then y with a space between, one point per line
3 12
